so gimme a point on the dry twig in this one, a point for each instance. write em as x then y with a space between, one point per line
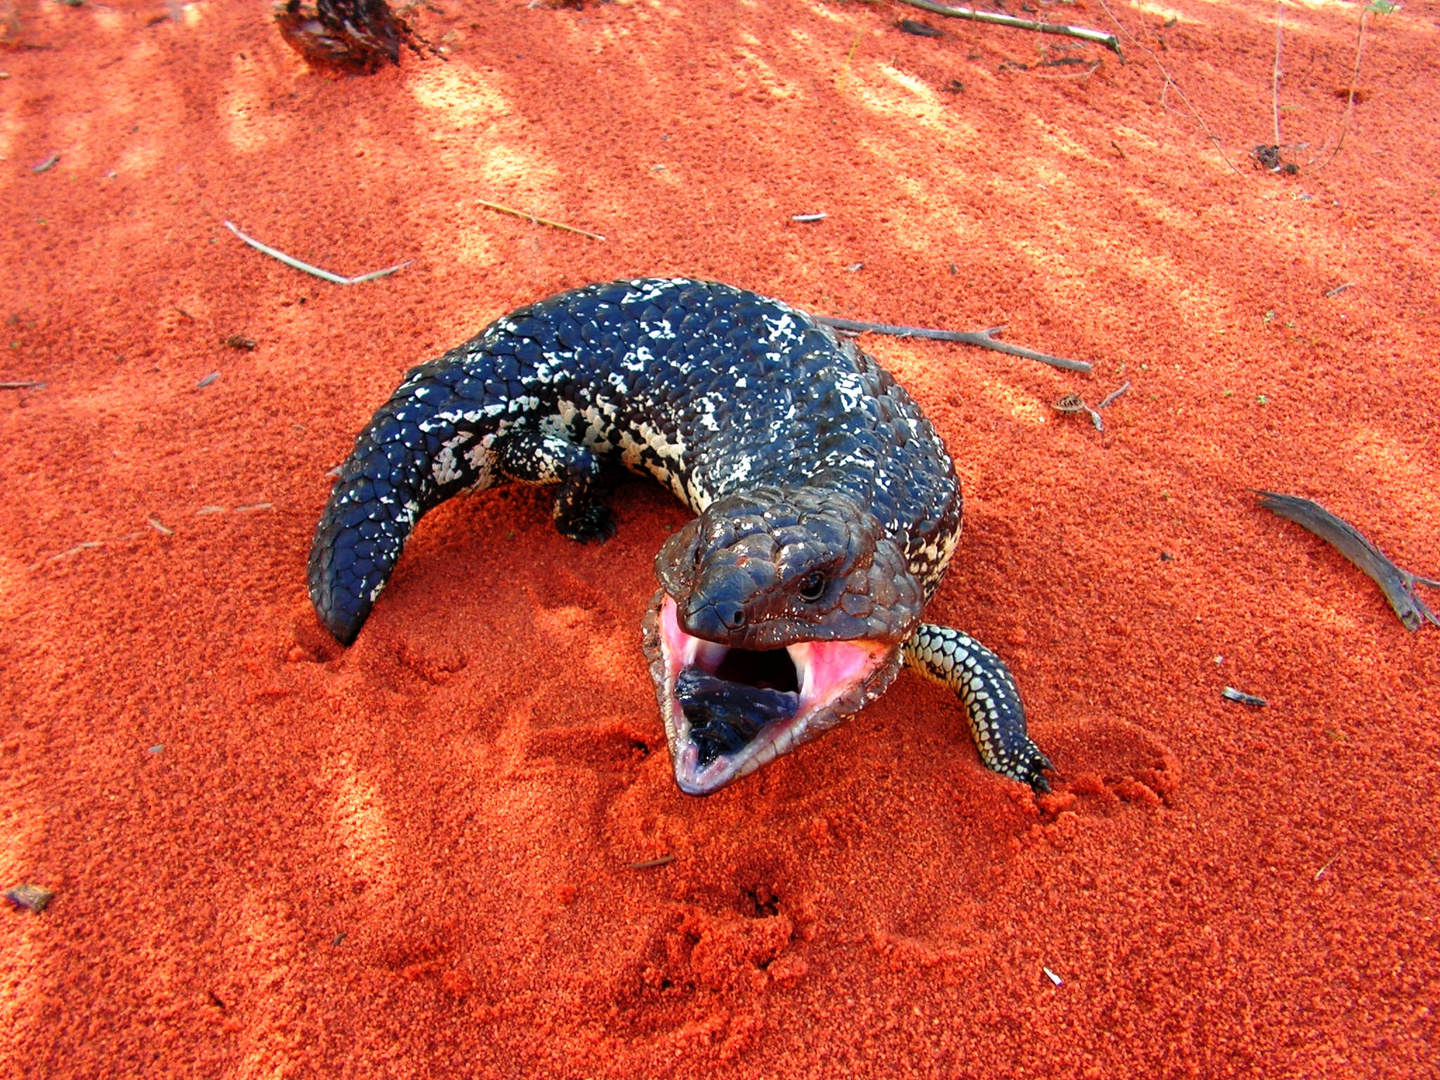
1110 41
981 339
290 260
534 220
1350 92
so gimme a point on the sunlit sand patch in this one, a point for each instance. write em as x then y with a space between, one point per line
510 167
468 249
602 643
110 19
465 99
10 128
249 126
22 837
468 102
911 365
825 13
1161 11
901 96
774 84
1391 467
359 822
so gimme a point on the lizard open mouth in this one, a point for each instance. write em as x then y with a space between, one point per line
729 710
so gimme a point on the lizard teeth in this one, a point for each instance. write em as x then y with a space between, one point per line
706 655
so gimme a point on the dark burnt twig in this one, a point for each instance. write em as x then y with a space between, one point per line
1398 585
650 864
981 339
1097 37
348 37
1275 72
1254 701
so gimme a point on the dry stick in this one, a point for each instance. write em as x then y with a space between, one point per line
290 260
1350 98
982 339
1169 82
538 220
1398 585
1110 41
19 385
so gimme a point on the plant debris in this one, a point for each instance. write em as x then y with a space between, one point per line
650 864
1074 403
348 37
920 29
1398 585
239 341
1110 41
1231 694
1268 158
34 898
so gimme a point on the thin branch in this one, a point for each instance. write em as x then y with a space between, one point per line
21 385
1169 82
538 220
1350 96
982 339
1110 41
290 260
1275 78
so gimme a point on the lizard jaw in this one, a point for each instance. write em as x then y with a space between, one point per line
728 711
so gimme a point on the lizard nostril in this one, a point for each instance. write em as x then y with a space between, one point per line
732 615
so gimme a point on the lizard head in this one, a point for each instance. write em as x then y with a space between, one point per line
781 612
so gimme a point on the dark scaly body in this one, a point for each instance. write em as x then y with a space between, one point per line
812 470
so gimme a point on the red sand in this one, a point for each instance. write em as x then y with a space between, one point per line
272 857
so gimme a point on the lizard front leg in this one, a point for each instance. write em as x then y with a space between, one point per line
992 702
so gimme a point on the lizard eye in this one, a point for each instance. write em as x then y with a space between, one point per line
812 586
